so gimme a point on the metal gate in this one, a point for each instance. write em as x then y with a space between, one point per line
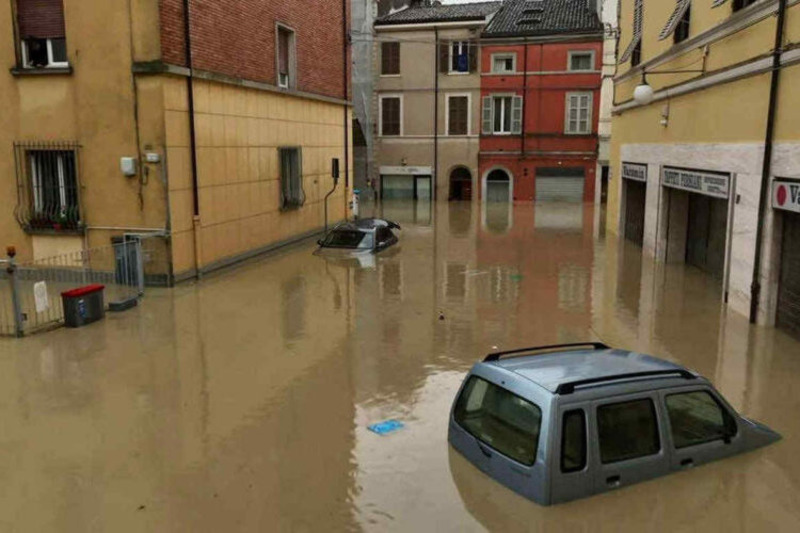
635 197
707 234
788 317
560 184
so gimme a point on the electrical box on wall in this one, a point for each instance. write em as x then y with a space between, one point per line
128 166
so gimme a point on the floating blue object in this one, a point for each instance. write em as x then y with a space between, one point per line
384 428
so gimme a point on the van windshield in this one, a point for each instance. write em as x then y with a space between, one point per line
500 419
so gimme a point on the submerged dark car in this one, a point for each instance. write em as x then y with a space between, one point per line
366 235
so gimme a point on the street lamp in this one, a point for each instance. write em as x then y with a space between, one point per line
643 93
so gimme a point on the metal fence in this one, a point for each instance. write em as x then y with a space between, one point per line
30 292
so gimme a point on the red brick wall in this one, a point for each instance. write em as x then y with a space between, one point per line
546 144
237 38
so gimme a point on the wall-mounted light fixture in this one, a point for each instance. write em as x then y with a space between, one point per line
644 94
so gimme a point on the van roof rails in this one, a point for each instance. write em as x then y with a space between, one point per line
569 387
532 351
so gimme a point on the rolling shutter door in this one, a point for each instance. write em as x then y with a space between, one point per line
788 317
560 185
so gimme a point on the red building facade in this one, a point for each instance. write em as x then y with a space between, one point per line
540 86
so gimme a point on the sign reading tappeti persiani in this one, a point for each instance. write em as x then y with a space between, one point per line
786 195
634 171
716 185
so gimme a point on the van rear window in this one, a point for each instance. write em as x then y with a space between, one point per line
500 419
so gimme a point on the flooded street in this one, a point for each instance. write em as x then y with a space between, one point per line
241 403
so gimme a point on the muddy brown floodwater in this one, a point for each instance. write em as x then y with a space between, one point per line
241 403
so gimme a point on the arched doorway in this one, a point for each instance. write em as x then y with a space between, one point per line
498 186
460 184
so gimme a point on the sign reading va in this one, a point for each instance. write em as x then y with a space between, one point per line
716 185
786 195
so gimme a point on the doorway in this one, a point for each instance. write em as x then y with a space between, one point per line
460 184
498 186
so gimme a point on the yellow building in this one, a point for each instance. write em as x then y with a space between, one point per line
697 83
108 128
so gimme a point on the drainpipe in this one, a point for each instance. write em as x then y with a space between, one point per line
437 66
755 294
524 99
187 32
345 80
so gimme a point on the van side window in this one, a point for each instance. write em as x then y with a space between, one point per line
500 419
573 441
627 430
696 418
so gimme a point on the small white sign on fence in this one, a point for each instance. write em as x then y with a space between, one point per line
40 296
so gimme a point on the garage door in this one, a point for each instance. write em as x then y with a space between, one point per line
707 232
635 193
560 185
397 187
789 289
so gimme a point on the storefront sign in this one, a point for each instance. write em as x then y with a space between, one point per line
716 185
406 171
634 171
786 195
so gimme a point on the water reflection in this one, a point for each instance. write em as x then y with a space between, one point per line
242 402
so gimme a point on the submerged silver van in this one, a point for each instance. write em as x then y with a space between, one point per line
557 423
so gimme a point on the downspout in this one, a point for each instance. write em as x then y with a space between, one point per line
437 66
755 294
187 27
524 98
345 106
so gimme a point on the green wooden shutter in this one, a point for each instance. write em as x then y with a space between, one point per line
486 116
516 115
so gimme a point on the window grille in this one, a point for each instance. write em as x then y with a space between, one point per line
48 186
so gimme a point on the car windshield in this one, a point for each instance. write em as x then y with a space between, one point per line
348 239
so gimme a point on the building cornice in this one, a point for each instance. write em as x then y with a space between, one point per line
475 23
734 24
159 67
535 39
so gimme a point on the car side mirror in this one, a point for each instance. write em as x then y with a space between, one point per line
319 241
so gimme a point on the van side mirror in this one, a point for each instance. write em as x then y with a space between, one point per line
319 242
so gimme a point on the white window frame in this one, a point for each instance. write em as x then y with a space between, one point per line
463 47
505 55
380 113
589 117
448 96
50 62
510 110
573 53
291 81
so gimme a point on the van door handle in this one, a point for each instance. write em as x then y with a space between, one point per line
687 463
613 481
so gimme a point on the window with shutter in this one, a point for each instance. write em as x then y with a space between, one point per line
390 58
458 115
391 115
634 50
42 34
579 114
678 22
506 115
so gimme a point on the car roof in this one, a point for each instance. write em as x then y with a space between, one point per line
560 372
365 224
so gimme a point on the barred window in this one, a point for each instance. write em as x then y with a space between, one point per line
47 177
292 194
